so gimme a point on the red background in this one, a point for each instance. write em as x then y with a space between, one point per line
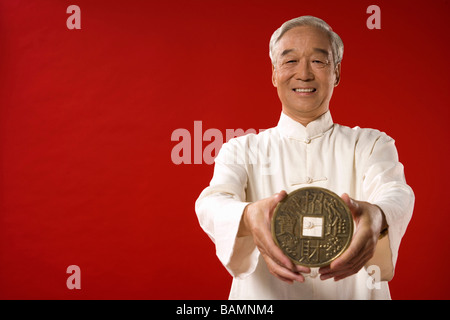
86 118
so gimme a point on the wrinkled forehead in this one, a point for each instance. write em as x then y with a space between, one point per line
304 39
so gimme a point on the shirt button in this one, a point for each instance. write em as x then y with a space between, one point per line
309 180
307 140
314 273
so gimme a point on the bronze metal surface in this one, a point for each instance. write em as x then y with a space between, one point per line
312 226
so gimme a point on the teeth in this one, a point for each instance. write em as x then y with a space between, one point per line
305 90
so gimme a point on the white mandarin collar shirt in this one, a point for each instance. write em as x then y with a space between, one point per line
361 162
295 130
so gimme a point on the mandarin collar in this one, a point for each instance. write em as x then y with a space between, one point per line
295 130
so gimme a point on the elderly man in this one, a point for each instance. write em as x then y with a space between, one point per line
253 173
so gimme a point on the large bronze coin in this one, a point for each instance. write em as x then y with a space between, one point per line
312 226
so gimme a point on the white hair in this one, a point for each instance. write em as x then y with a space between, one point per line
337 46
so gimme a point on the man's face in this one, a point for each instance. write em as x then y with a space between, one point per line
304 73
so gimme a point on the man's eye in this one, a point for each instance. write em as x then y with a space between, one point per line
291 61
318 61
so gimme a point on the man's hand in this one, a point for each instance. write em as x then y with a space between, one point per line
256 222
370 220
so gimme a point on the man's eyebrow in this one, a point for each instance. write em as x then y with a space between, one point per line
285 52
319 50
325 52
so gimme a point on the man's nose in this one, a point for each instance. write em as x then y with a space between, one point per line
304 71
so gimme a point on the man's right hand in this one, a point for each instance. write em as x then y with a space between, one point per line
256 222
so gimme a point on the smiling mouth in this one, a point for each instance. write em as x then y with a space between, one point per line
305 90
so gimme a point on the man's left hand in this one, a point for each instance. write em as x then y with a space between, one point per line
370 220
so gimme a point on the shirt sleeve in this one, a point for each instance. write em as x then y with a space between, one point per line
384 185
219 210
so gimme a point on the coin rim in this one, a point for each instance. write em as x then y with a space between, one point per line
347 211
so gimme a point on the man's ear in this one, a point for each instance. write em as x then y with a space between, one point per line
337 73
274 77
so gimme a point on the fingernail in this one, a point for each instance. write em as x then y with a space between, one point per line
302 269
